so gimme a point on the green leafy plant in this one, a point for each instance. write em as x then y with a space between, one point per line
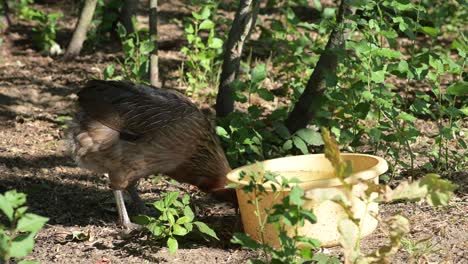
176 220
44 32
202 66
136 49
291 48
419 249
17 227
363 106
104 23
368 108
260 134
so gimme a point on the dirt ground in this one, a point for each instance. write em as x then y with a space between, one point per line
36 92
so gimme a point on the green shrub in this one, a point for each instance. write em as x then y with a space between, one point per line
176 220
202 66
44 32
137 47
17 227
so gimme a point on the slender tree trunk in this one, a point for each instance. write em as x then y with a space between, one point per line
79 35
310 101
244 22
6 12
128 11
153 24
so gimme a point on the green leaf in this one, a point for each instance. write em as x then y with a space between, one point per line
387 53
22 245
16 199
458 88
328 12
172 245
259 73
170 217
378 76
183 220
170 198
295 196
31 223
179 230
265 94
245 241
155 228
159 205
220 131
146 48
288 144
121 31
142 219
403 66
440 191
321 258
186 199
281 130
189 29
310 136
309 242
29 262
406 117
205 12
216 43
189 213
109 71
207 24
299 143
6 207
205 229
367 95
433 32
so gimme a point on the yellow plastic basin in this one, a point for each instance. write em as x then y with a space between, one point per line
315 172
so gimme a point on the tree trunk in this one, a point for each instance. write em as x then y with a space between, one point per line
244 22
153 25
6 12
310 101
79 35
128 11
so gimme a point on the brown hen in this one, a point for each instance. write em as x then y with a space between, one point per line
131 131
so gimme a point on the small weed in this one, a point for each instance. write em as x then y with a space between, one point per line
136 48
176 220
17 227
63 120
418 249
44 32
105 20
202 68
257 135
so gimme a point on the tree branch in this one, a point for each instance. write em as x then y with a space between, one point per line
153 25
310 101
79 35
242 26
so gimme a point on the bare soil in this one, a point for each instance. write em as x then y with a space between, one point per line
36 91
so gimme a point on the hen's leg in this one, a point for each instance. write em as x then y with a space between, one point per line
124 220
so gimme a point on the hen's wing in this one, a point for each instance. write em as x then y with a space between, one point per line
133 110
